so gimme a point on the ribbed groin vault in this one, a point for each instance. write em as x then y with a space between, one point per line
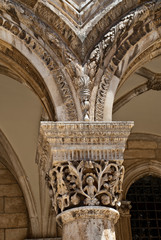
71 74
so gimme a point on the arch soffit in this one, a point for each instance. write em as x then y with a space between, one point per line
120 47
12 162
53 84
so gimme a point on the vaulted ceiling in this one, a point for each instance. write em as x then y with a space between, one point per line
139 98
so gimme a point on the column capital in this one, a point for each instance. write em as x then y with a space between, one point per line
125 208
86 159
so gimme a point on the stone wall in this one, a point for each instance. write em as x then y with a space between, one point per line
142 157
13 213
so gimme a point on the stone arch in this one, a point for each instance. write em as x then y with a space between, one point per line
120 47
137 171
12 162
71 21
25 56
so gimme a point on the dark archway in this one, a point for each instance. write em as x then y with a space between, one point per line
145 197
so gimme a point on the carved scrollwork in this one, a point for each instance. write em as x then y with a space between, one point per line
33 44
89 183
122 37
43 153
83 86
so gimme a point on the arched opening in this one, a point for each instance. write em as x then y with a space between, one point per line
141 159
145 197
138 98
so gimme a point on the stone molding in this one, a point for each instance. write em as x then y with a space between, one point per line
90 139
33 44
85 167
122 43
88 213
64 66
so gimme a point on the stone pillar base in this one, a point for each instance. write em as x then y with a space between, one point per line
88 223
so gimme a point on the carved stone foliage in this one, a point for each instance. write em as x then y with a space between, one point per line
34 46
85 167
43 153
88 183
117 42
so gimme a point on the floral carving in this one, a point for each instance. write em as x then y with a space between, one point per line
88 183
122 36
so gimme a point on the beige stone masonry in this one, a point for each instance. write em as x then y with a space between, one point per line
45 239
1 204
2 234
13 213
12 190
16 220
142 157
140 144
2 166
139 153
15 234
6 177
15 205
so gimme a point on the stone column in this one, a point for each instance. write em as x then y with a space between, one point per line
124 224
85 175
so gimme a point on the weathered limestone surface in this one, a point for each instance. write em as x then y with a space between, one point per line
15 205
44 239
88 223
137 165
138 153
13 214
123 227
10 190
16 234
2 234
83 161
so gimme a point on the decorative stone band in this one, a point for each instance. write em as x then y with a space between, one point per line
82 169
88 223
87 213
83 141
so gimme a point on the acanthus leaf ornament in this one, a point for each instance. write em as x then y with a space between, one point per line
81 183
85 166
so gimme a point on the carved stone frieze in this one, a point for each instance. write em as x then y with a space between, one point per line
123 36
43 154
34 46
85 168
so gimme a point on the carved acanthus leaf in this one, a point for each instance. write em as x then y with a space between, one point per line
85 183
